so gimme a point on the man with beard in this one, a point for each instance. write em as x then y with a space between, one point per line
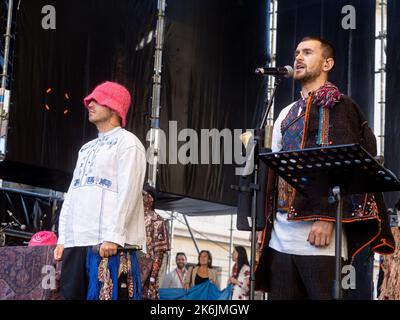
175 278
298 252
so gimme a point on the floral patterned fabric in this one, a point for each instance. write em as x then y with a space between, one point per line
28 273
241 291
390 289
157 243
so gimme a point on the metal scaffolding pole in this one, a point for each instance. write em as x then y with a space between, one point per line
382 71
3 103
156 96
191 233
380 75
230 246
273 14
171 238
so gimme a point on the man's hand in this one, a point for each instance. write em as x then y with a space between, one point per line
58 252
321 233
108 249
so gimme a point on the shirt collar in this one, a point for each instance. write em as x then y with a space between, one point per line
303 97
184 270
102 135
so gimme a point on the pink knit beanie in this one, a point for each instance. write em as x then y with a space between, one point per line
112 95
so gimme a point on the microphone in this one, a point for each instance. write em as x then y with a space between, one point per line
96 248
286 71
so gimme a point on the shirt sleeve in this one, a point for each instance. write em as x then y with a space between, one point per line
277 133
244 278
131 174
62 220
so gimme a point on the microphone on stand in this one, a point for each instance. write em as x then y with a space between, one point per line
286 71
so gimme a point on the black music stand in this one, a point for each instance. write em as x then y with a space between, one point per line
332 172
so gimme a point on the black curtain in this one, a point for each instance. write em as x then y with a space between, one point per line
211 51
54 70
354 65
392 119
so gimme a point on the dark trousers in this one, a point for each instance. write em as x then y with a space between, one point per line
294 277
74 279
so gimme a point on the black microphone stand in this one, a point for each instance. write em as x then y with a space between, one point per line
254 186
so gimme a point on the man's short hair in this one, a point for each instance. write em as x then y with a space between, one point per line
327 48
180 254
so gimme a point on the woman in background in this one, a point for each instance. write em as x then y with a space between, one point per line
240 274
202 272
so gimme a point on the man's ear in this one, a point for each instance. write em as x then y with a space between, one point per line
328 64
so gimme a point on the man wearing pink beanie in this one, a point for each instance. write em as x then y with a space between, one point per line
104 204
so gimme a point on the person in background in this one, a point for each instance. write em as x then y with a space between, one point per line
175 278
202 272
389 286
240 274
157 242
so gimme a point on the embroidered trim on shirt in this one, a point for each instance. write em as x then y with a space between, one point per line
93 181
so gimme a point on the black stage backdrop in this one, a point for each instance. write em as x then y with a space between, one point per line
211 51
354 67
392 119
94 41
